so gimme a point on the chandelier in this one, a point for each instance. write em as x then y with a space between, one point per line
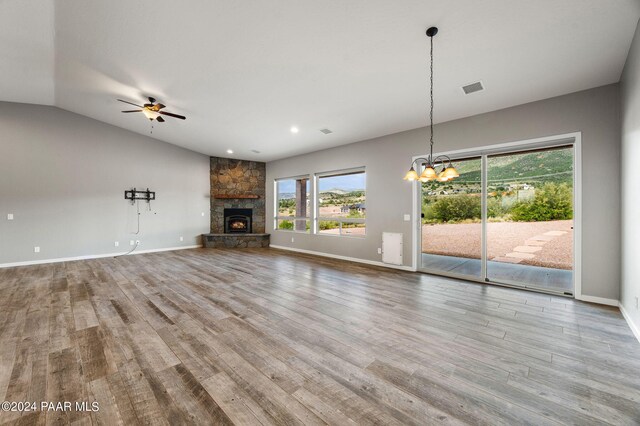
431 164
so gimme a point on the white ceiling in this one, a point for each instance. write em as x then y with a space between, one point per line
244 72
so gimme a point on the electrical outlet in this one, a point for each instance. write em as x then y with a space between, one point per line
202 214
10 216
36 249
379 250
116 244
181 238
292 239
407 218
131 242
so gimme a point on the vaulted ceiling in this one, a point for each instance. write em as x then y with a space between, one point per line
244 72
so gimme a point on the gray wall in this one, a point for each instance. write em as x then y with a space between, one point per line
63 177
630 96
594 112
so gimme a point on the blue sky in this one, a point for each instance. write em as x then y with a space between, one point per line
346 183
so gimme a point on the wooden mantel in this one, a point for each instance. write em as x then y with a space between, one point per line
236 196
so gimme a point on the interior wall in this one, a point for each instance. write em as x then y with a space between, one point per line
27 51
63 177
630 100
593 112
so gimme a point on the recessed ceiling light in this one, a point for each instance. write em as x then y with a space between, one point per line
229 151
294 129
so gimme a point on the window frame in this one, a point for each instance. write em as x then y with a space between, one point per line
316 196
276 205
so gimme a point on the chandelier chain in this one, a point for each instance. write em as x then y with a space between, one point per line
431 98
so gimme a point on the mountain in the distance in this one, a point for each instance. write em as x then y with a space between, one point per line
538 166
337 191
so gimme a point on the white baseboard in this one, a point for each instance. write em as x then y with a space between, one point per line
350 259
599 300
92 256
635 328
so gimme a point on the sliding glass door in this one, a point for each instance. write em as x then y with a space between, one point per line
508 219
530 218
452 222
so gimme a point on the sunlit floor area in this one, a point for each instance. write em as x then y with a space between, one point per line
550 279
262 336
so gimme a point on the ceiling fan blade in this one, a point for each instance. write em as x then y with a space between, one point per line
160 119
133 110
158 107
181 117
130 103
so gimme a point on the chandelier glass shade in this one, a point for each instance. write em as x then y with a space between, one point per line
442 162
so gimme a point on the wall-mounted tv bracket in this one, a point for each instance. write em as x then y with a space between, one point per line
134 195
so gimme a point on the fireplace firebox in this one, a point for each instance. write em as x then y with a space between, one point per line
237 221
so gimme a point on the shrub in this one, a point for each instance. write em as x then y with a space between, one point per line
287 203
325 225
495 207
551 202
354 213
455 208
427 210
286 224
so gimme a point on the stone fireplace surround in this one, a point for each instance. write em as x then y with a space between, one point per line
237 184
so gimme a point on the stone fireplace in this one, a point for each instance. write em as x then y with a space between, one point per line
237 204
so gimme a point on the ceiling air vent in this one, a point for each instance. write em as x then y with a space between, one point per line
326 131
472 88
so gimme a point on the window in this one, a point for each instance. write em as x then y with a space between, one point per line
292 204
341 200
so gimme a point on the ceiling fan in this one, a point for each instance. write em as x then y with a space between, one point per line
152 110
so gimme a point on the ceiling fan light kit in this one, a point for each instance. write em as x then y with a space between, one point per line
152 110
448 172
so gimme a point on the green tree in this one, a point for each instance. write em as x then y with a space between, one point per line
454 208
287 203
495 208
551 202
326 225
286 224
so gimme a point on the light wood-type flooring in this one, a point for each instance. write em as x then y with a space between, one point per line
262 336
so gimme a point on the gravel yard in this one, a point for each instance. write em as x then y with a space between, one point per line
548 244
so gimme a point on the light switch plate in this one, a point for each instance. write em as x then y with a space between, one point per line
407 217
181 238
36 249
116 244
10 216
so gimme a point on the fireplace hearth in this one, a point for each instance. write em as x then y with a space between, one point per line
238 221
